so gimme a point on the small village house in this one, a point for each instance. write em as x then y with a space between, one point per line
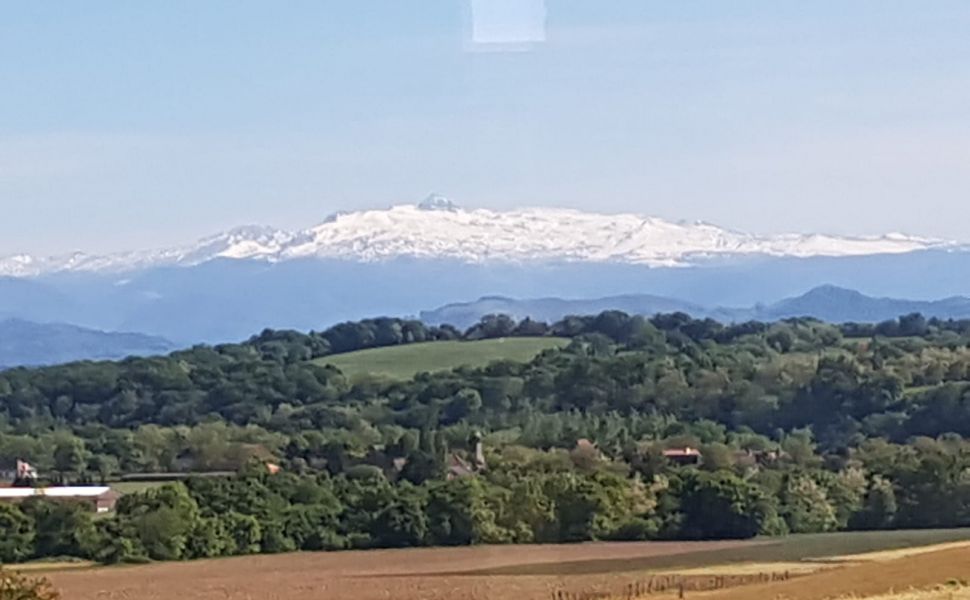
683 456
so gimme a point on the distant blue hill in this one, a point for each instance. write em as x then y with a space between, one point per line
228 300
840 305
827 303
24 343
466 314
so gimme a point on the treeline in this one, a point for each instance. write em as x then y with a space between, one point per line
622 369
251 383
801 426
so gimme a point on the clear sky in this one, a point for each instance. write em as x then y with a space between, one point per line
141 124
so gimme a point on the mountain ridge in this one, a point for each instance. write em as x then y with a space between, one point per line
437 228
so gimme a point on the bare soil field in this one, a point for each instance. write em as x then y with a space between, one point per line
415 574
863 580
943 592
814 567
812 548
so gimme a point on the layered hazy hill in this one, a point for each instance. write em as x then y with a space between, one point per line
27 343
827 303
411 258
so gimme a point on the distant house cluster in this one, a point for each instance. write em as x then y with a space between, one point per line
462 467
463 463
750 458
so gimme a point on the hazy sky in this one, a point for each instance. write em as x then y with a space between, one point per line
137 124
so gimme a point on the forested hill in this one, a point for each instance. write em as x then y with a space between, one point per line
796 426
762 376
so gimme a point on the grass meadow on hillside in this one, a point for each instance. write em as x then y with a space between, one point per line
403 362
134 487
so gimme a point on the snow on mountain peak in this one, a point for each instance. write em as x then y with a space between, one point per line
437 228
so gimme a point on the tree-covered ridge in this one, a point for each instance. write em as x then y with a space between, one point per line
802 426
844 381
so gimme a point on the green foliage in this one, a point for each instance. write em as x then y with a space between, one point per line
163 520
723 506
61 528
403 521
586 507
806 507
16 534
69 455
117 542
460 514
879 507
802 427
245 532
210 537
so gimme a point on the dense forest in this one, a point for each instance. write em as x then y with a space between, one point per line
794 426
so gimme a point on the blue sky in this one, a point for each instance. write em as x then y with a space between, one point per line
136 124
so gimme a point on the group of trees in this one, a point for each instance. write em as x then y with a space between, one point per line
251 513
803 426
529 495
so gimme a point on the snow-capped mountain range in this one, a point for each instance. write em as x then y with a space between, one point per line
438 229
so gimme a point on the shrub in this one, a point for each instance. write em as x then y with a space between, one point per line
15 587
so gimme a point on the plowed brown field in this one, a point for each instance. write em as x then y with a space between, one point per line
862 580
415 574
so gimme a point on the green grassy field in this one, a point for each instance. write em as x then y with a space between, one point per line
403 362
132 487
793 548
